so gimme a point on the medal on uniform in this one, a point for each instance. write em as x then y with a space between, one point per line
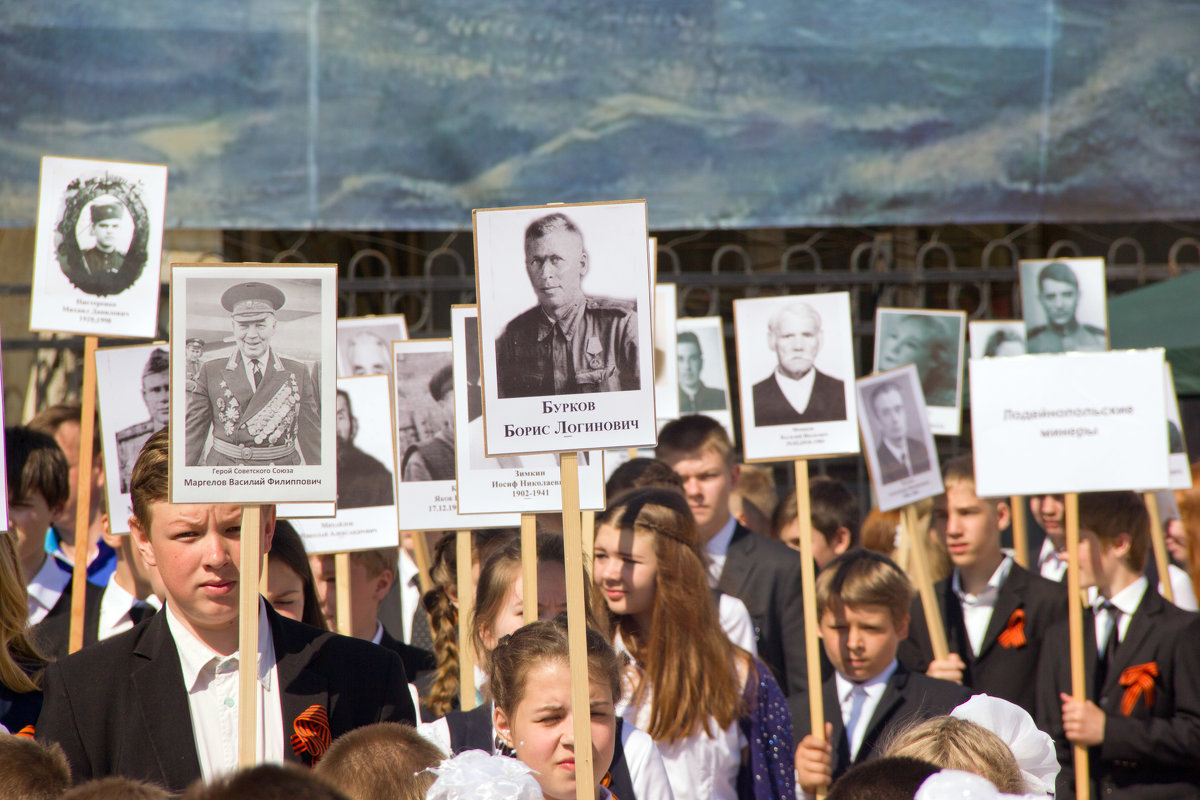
594 353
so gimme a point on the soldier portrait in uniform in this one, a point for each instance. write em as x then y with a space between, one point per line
365 344
1064 304
565 317
363 480
156 394
107 255
431 457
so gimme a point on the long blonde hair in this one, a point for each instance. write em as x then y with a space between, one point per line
17 653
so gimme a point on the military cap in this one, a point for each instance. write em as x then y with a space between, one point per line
195 340
158 362
252 301
103 211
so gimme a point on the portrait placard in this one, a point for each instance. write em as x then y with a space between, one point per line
666 365
897 440
252 419
425 442
703 372
133 387
98 247
585 380
1064 303
996 338
1079 422
1177 455
795 360
523 484
366 472
934 342
365 344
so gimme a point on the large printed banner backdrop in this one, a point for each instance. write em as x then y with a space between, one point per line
351 114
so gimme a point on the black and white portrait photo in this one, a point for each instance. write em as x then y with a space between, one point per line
934 341
260 400
365 344
996 338
703 372
795 367
99 246
565 312
133 385
895 430
1064 303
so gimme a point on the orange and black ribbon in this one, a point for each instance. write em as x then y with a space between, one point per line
27 732
1139 680
606 782
312 734
1013 634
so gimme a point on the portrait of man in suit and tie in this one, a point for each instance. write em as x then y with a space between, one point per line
694 395
796 392
900 455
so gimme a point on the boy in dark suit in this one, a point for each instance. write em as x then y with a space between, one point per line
762 573
159 702
1141 721
862 604
995 612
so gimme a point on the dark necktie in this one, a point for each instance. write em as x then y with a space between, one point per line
140 610
256 370
1105 659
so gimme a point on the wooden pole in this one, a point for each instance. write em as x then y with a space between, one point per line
589 539
1075 629
1019 531
248 636
585 786
633 453
466 609
421 556
529 565
808 582
1160 547
83 504
920 561
262 579
341 582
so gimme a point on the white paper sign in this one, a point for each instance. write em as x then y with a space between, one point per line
1079 422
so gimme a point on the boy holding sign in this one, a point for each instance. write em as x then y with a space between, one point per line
995 613
1142 660
119 708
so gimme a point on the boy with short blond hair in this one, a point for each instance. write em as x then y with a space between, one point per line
995 613
863 602
1141 721
386 761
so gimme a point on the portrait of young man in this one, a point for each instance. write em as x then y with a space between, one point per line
900 455
156 394
108 217
694 396
1058 297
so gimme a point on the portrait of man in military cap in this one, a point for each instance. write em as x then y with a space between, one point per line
570 342
105 257
195 359
1062 299
156 394
258 407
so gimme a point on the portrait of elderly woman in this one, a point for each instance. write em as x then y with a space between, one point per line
933 342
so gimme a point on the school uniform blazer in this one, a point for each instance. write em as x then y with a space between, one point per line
52 635
1005 666
908 697
765 575
416 660
1154 750
121 707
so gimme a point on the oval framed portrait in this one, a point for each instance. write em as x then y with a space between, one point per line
103 234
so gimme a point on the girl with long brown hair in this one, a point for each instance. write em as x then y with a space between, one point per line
20 662
704 701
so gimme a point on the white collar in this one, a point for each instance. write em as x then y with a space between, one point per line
802 384
115 605
719 543
408 568
47 585
195 655
1048 551
872 686
1128 599
378 637
993 585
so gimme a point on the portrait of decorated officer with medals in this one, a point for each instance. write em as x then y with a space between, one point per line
570 342
156 394
260 407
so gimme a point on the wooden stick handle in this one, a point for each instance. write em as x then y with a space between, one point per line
585 785
1075 629
251 544
341 582
466 610
1019 531
529 566
808 582
1160 547
588 520
83 503
918 549
421 556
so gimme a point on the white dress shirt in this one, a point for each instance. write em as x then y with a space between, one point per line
212 683
858 702
798 392
44 590
717 547
977 608
410 591
1127 600
1050 566
737 623
115 607
247 364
